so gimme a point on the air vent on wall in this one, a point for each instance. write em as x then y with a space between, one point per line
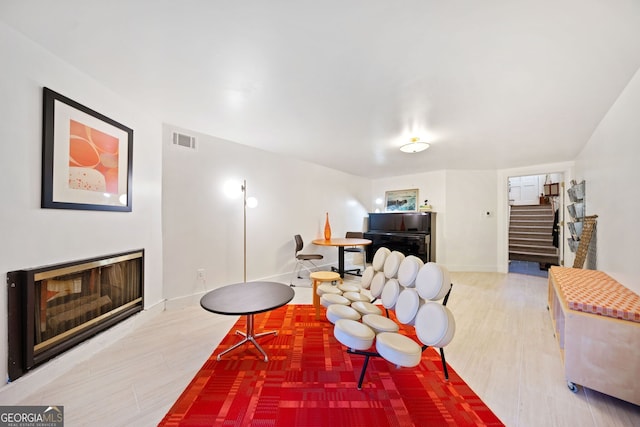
183 140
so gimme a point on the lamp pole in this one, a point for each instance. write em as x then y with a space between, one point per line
244 197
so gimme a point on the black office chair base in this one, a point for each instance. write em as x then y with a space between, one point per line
306 285
299 286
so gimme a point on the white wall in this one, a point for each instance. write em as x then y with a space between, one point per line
609 165
202 227
32 236
471 235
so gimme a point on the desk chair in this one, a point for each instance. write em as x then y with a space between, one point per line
356 249
301 259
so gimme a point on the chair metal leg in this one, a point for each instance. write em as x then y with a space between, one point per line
249 336
364 368
444 364
295 273
296 270
367 355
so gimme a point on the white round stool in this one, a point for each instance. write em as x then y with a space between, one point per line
398 349
326 288
408 270
377 284
336 312
345 287
380 323
355 296
409 302
367 276
435 325
432 281
364 307
379 258
390 294
353 334
327 299
392 263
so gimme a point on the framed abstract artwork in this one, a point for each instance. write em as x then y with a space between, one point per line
86 158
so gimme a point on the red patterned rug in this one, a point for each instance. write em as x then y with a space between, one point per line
310 380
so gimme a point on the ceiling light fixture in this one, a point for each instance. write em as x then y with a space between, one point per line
415 146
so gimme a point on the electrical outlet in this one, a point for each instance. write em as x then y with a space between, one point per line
200 275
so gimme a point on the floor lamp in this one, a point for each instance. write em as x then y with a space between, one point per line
244 226
250 202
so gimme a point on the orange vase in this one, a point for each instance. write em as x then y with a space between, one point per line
327 228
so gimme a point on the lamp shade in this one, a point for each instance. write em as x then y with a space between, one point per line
415 146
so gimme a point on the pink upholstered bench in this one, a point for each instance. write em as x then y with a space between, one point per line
596 321
596 292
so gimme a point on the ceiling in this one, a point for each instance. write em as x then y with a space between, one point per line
492 84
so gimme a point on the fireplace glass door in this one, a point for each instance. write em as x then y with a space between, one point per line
74 301
55 307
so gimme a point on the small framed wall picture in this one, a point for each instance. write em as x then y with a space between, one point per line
86 158
401 200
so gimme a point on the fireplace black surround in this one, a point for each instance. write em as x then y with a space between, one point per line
56 307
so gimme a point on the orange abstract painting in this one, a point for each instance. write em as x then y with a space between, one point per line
93 159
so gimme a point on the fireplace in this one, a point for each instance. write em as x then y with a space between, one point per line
54 308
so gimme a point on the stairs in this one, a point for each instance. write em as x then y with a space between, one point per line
530 234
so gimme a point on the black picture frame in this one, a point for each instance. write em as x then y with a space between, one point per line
87 158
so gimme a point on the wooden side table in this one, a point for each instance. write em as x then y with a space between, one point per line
318 277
